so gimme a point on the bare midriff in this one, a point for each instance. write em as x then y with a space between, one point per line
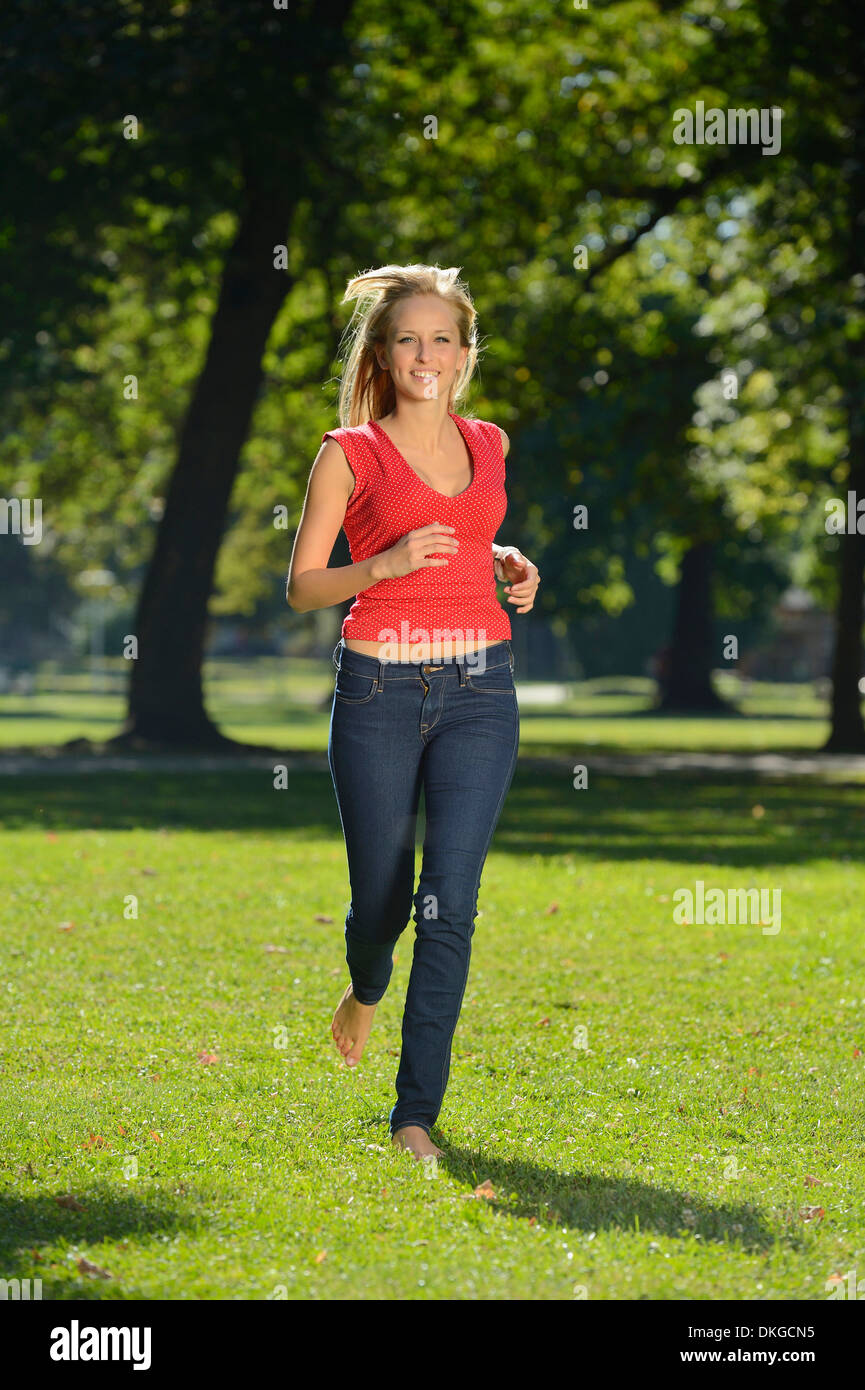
417 651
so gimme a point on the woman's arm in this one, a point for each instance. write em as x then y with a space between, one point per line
521 593
311 584
500 550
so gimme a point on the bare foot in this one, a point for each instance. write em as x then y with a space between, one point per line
351 1026
417 1140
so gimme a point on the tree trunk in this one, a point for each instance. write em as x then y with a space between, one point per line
686 682
166 702
848 731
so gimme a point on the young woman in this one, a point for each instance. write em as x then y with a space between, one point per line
424 693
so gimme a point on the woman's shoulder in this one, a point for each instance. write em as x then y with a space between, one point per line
489 431
357 442
349 431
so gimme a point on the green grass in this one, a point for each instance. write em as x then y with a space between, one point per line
670 1158
285 703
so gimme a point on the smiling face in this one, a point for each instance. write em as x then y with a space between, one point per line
423 351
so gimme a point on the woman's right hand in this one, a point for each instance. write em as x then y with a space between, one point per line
412 552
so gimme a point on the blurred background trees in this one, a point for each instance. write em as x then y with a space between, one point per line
673 334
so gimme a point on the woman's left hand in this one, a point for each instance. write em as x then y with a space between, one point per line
522 594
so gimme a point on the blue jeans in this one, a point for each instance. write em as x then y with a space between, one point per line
453 728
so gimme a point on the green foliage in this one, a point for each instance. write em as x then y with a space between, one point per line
551 130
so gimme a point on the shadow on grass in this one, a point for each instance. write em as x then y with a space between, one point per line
735 820
48 714
588 1202
669 716
28 1223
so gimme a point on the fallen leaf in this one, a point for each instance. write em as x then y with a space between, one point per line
155 1136
811 1213
810 1180
207 1058
322 1254
856 1052
72 1203
553 907
542 1023
66 926
283 950
88 1267
485 1189
94 1142
120 1127
151 873
758 811
320 917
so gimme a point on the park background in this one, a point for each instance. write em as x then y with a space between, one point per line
672 337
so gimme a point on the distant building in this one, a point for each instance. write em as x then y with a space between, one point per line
801 648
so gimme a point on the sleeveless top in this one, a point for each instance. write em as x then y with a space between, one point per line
437 602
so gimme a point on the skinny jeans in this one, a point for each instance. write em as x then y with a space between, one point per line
452 727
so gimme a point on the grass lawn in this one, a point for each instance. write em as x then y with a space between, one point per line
280 702
174 1111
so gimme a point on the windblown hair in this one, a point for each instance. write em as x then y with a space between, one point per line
366 390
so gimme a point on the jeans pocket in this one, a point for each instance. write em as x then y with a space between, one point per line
497 681
352 688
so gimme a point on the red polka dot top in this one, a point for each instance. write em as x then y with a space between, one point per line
388 501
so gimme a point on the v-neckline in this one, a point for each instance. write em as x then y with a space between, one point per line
445 496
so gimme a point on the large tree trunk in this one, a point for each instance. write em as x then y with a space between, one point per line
848 731
685 683
166 702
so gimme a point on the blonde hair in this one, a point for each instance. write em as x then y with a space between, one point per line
366 390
